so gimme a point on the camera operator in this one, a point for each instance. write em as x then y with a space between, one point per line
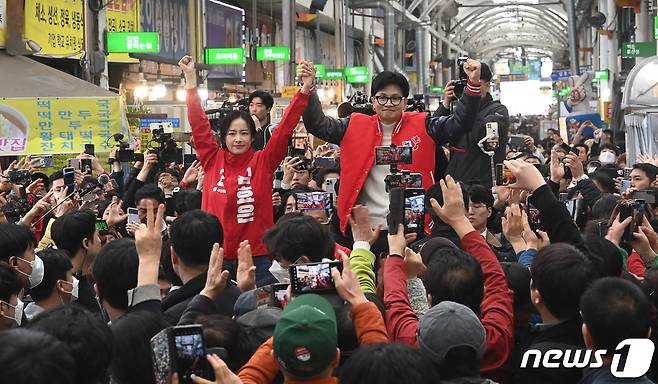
467 161
260 105
359 134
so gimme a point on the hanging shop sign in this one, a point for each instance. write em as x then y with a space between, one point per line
133 42
57 26
272 53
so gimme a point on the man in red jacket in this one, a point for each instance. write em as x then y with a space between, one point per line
362 182
473 278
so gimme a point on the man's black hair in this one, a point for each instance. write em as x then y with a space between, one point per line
193 235
15 240
115 271
604 255
480 194
610 147
604 180
72 228
28 357
615 310
582 146
166 266
265 97
88 338
649 169
296 235
55 265
220 331
455 275
56 176
561 273
386 78
10 283
132 362
44 178
225 123
169 171
321 173
150 191
188 200
390 363
460 362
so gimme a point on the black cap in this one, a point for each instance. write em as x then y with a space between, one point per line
485 72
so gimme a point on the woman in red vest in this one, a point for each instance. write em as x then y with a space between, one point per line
361 181
237 187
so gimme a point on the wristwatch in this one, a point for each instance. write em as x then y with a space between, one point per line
583 177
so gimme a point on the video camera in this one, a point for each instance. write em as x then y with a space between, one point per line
15 208
166 149
416 103
460 84
216 115
20 177
358 103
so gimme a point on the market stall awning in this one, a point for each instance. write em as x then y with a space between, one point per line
46 111
23 77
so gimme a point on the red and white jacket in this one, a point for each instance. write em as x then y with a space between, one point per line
238 188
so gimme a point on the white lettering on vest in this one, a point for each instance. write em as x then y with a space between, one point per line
245 197
220 184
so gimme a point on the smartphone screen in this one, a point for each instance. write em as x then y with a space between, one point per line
69 178
190 353
414 210
89 149
460 63
102 227
492 129
504 176
279 292
397 155
533 217
133 216
306 278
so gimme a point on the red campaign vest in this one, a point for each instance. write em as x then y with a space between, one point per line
357 154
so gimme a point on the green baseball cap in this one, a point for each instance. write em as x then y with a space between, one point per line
306 336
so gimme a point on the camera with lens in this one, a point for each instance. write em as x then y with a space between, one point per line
416 103
20 177
460 84
15 208
358 103
124 154
166 147
216 115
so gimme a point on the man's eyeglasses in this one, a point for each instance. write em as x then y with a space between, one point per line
395 100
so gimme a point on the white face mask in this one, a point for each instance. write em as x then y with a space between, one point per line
607 158
36 277
281 274
74 289
18 311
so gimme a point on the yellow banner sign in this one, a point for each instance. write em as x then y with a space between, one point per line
57 26
122 16
288 92
3 22
62 125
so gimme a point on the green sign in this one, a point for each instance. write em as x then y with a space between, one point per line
356 71
133 42
334 74
224 55
601 75
357 79
436 90
655 26
631 50
320 72
272 53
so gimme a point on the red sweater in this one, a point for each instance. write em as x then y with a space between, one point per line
496 309
238 188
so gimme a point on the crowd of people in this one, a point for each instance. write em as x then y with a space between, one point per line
562 258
